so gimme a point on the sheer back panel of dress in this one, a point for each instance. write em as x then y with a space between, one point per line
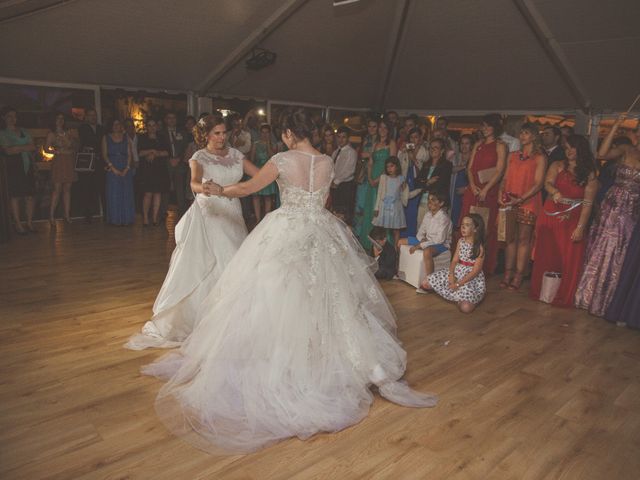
311 173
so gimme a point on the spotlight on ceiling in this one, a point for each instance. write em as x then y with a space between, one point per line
337 3
260 58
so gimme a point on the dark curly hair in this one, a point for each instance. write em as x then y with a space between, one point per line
585 162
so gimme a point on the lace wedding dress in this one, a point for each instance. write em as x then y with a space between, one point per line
207 237
293 334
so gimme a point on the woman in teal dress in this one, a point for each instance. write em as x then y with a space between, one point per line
261 151
361 175
384 148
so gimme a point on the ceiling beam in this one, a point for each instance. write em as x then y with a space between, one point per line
245 47
33 11
554 51
395 37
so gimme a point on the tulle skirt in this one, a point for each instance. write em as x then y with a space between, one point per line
287 343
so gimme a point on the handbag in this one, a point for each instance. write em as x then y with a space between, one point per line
483 212
84 161
404 195
550 285
487 174
506 224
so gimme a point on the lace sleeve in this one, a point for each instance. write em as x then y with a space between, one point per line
197 157
278 161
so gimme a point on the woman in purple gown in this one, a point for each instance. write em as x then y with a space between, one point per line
610 234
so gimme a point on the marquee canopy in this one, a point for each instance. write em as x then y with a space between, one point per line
431 55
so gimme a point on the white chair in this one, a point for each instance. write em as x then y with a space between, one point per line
411 267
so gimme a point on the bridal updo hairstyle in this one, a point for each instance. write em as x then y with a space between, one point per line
203 127
298 122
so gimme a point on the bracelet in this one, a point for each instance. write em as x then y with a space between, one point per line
580 225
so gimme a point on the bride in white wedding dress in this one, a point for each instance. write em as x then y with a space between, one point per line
296 330
207 237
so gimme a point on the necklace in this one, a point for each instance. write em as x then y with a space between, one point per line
523 156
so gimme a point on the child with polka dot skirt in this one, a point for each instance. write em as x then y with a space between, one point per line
463 282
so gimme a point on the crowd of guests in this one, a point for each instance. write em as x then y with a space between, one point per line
565 217
560 216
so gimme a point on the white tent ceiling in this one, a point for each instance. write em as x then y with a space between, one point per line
471 55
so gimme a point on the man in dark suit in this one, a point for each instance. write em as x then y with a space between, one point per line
179 171
551 143
91 185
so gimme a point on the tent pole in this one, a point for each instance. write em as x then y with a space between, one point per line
554 51
262 32
397 31
594 131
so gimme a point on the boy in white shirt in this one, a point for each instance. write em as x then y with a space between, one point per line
434 234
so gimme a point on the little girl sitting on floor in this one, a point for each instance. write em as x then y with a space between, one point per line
464 282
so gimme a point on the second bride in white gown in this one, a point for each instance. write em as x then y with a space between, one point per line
207 237
296 330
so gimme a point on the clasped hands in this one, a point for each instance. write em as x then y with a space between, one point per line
209 188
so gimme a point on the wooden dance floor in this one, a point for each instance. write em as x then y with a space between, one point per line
527 391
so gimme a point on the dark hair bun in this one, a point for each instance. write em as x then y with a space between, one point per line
298 122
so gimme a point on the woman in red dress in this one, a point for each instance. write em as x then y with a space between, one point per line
485 169
520 190
560 242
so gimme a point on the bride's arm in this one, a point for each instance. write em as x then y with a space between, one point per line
249 168
261 179
196 180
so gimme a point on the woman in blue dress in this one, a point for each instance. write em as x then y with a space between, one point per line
117 154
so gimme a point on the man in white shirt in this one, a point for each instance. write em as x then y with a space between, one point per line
343 188
239 138
434 234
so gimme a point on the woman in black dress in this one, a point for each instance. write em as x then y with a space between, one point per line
154 173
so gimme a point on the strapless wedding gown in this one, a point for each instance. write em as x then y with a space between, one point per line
292 336
207 237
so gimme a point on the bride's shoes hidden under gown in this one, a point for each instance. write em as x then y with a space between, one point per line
292 336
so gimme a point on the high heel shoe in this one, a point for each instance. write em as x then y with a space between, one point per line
31 228
20 230
67 220
506 280
515 284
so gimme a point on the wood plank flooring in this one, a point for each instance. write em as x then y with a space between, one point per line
527 391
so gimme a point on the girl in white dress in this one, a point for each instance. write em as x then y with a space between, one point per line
295 331
207 237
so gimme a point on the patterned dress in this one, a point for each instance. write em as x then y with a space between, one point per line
472 292
608 241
